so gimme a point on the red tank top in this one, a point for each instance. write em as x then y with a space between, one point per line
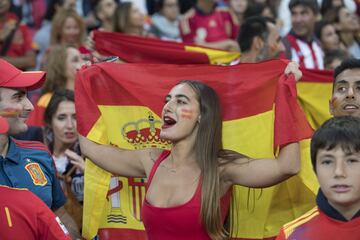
181 222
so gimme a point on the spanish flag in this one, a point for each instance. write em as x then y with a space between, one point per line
120 104
314 94
135 49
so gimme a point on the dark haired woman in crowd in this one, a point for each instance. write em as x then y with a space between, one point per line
61 136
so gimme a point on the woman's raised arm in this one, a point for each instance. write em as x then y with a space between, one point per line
263 172
128 163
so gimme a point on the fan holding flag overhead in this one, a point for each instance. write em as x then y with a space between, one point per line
199 173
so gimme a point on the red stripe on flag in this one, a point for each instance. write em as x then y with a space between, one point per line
123 234
257 88
317 76
288 114
136 49
114 190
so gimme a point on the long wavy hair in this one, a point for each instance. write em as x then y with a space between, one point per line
55 67
208 146
121 18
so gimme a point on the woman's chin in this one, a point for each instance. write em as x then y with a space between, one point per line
166 136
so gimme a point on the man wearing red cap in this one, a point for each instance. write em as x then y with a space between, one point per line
27 164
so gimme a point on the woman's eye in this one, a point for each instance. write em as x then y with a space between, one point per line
61 118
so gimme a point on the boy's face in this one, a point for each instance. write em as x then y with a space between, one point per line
338 173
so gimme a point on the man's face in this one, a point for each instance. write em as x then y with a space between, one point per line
273 46
346 95
15 99
274 40
303 20
338 173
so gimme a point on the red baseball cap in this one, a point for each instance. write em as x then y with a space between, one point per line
12 77
4 126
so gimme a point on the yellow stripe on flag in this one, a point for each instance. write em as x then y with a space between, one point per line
44 100
307 174
244 143
254 210
215 56
314 99
96 186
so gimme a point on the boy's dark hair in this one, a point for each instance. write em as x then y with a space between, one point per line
341 131
349 63
251 28
312 4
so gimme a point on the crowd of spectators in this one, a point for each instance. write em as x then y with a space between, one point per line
57 38
321 32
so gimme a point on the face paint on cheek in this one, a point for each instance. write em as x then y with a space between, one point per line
10 112
334 102
187 114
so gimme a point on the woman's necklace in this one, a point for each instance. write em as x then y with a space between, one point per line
163 165
169 169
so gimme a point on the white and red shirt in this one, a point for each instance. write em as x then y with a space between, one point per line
307 54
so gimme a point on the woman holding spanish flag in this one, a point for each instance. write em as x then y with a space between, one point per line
188 193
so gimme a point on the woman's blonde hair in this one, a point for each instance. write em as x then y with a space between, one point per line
55 68
58 22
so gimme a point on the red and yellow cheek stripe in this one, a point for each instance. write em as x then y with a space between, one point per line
187 114
37 175
334 102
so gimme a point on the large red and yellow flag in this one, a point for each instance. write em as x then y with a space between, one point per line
135 49
120 104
